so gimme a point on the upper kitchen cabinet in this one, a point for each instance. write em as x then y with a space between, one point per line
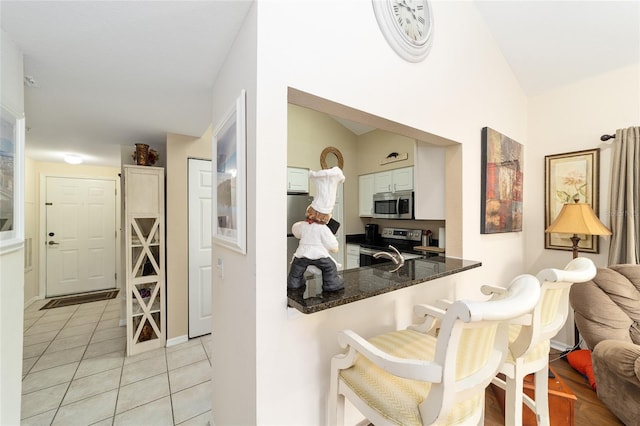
394 180
388 181
402 179
297 180
429 198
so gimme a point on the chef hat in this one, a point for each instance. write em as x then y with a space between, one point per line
326 182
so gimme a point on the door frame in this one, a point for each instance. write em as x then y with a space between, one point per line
42 226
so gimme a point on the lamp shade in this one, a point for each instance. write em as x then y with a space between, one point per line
577 218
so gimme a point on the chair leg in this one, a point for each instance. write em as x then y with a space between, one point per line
513 400
541 379
335 404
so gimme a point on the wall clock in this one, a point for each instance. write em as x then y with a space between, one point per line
407 25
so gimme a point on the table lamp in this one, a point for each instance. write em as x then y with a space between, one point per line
577 218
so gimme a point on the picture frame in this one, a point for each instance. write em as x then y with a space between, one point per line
12 133
229 196
568 175
502 176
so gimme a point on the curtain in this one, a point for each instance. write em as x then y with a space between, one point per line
625 199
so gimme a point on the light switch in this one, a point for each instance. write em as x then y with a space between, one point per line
220 267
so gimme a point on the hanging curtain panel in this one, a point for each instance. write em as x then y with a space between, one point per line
625 199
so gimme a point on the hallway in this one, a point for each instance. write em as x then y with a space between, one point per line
76 372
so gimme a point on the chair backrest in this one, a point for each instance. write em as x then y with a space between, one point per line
608 306
472 344
552 310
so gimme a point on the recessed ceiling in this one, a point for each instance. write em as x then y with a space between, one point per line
112 73
356 128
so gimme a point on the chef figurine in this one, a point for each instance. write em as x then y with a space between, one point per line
316 238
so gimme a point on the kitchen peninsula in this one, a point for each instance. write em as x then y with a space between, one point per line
369 281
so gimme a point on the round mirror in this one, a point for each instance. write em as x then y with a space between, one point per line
331 157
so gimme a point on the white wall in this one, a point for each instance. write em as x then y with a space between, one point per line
234 296
11 264
572 118
461 87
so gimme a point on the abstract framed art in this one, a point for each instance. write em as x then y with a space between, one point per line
11 180
502 174
571 176
229 195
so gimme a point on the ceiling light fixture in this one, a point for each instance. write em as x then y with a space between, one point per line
72 159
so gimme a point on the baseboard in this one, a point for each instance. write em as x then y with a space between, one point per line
560 346
177 340
30 301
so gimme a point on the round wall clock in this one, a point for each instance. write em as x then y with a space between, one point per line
407 25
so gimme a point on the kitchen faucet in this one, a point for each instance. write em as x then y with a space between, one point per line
397 258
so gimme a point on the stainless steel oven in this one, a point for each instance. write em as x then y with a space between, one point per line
404 240
393 205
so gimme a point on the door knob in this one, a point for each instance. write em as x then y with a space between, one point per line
51 243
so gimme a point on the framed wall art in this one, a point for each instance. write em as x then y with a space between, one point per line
11 180
230 193
502 174
571 176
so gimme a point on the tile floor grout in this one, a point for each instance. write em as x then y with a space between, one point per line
193 411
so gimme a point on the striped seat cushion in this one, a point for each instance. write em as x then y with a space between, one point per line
396 398
540 351
548 313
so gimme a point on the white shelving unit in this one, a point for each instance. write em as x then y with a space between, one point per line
143 205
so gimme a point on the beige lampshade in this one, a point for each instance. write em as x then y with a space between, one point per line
577 218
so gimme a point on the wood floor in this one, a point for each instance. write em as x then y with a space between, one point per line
588 410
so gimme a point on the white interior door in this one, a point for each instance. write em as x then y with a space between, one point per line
80 235
200 191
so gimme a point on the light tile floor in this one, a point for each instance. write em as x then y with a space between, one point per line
75 372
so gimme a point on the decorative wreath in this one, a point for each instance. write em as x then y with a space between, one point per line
331 150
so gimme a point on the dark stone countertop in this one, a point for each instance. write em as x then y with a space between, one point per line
369 281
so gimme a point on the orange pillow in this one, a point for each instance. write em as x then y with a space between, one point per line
580 360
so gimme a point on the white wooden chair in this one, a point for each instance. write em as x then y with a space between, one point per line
529 340
412 377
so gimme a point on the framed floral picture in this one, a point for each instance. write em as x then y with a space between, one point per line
569 177
229 195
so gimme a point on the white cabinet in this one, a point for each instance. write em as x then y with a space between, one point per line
402 179
388 181
297 180
353 256
430 175
394 180
143 223
365 195
383 182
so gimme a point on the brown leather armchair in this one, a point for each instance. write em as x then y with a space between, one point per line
607 314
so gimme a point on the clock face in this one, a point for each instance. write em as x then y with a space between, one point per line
407 25
410 18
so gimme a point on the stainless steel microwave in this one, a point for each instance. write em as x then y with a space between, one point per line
393 205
